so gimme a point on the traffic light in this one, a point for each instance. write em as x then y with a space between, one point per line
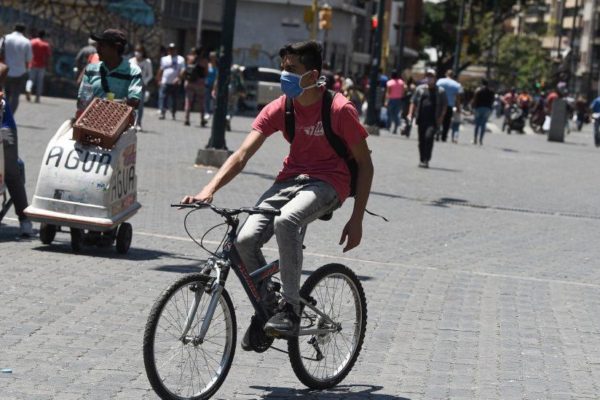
308 15
325 15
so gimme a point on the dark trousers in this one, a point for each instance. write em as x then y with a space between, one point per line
13 178
169 96
426 137
14 86
443 133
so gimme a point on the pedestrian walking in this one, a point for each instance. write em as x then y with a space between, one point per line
595 109
40 60
482 103
141 60
15 52
428 106
211 78
169 73
395 88
15 182
193 77
82 59
454 92
455 125
237 91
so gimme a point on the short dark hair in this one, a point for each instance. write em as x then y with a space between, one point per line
20 27
41 34
394 74
309 53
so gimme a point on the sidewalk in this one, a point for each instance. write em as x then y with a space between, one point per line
485 284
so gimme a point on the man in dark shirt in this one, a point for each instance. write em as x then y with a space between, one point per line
428 105
482 103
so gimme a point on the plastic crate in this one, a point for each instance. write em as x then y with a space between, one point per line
102 123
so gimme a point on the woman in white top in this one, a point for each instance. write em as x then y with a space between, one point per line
141 60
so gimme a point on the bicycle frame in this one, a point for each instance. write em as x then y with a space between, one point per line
230 259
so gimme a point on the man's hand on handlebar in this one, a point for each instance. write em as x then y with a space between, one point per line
205 196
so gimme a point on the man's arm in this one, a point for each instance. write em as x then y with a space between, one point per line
353 229
232 167
159 75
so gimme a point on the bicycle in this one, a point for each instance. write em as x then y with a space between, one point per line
193 321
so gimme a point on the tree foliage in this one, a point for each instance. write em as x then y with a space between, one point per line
483 31
522 62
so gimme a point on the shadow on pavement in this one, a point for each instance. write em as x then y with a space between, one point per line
360 277
134 254
447 201
181 269
444 169
37 128
341 391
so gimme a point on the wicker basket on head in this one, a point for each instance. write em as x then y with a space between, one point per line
102 123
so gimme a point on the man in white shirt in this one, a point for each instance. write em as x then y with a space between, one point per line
171 66
16 53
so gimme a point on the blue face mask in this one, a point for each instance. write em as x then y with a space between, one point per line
290 84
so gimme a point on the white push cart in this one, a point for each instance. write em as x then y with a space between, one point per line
90 189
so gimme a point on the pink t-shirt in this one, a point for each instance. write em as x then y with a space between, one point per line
395 88
310 152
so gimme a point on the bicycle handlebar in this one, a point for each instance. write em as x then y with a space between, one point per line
230 211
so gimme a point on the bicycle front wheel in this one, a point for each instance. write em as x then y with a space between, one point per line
183 367
323 360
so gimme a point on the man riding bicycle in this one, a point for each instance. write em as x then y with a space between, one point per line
314 179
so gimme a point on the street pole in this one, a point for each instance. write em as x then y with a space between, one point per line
458 47
488 71
199 23
372 116
217 137
402 37
315 23
574 52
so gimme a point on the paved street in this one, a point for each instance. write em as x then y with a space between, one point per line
485 284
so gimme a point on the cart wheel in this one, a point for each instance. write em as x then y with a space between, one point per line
76 239
47 233
124 235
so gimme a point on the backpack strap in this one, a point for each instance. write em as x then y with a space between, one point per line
290 121
334 140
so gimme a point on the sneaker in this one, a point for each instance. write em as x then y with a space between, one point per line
284 323
161 116
186 123
422 164
28 96
26 228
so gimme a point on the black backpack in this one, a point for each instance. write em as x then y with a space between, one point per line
334 140
193 72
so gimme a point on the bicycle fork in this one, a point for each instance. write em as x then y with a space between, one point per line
215 291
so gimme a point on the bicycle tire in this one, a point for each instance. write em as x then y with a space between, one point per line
295 354
157 383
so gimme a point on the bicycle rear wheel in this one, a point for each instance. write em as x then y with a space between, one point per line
178 368
322 361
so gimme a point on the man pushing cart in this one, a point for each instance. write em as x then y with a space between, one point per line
88 181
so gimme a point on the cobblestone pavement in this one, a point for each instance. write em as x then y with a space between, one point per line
485 284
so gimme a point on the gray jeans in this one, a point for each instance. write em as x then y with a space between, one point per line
13 178
301 201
